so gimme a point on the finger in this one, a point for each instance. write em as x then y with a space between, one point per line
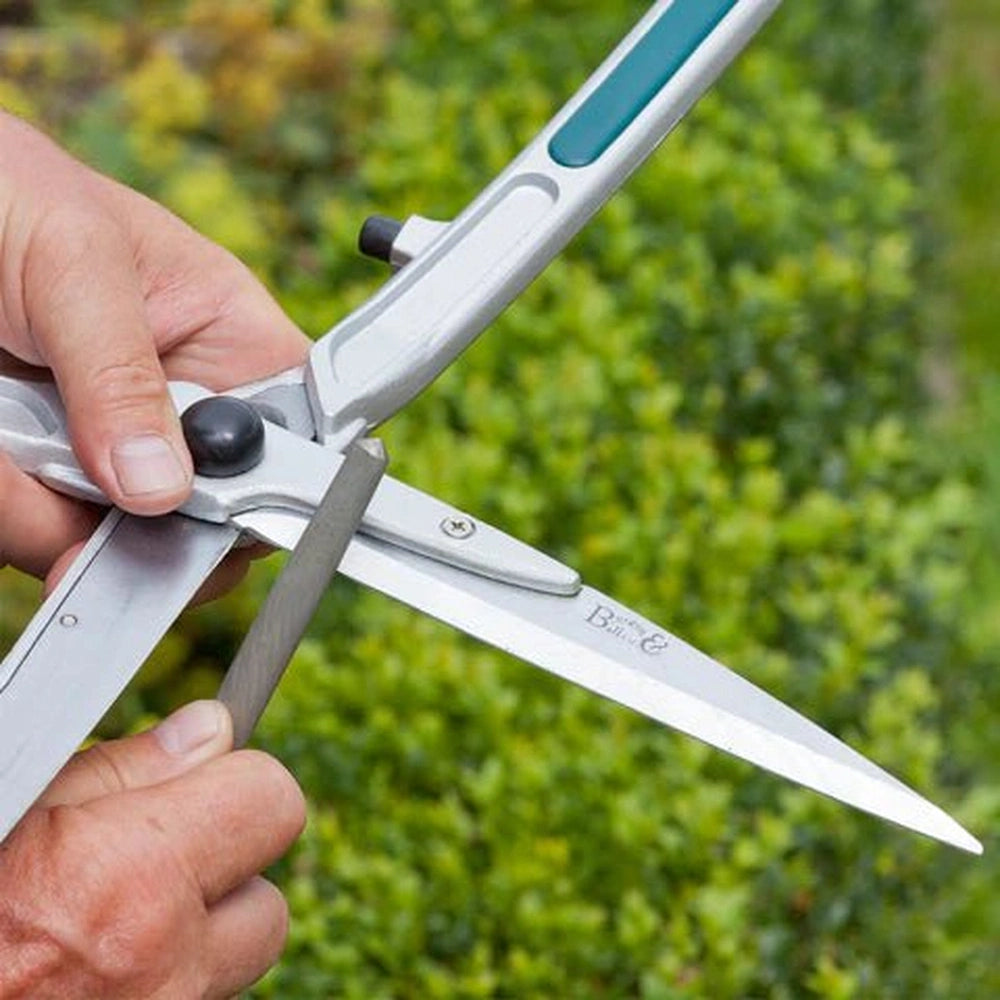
225 577
193 734
226 820
230 573
245 936
60 566
213 321
37 525
87 317
249 338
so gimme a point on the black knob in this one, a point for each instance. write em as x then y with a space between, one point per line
377 236
225 436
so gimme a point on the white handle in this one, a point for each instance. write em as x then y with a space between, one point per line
392 347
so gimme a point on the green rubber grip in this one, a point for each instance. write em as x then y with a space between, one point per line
636 80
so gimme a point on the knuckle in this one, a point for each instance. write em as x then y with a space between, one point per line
61 243
101 924
66 232
99 766
125 905
124 386
115 916
65 833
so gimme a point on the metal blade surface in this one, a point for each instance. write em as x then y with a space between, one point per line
122 593
596 642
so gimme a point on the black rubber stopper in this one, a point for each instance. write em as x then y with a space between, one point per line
225 436
377 236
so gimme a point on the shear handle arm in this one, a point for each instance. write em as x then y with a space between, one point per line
389 350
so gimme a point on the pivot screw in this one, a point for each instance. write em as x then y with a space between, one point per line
458 526
225 436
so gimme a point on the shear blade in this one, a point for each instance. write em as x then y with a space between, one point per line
607 648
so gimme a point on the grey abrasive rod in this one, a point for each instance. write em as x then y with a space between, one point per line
284 617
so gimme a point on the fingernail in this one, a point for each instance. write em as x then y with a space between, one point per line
190 727
147 463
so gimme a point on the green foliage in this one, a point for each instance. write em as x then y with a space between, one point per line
711 405
967 131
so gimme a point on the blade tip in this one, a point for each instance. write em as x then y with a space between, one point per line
970 844
954 834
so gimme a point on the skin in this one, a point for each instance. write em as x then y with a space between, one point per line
114 295
137 873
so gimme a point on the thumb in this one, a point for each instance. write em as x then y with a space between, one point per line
87 317
193 734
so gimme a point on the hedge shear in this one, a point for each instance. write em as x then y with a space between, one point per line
290 461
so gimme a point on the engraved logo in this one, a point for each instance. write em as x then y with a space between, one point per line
628 629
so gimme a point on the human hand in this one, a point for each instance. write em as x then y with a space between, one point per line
115 294
136 874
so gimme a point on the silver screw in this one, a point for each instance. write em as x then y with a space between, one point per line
69 621
458 526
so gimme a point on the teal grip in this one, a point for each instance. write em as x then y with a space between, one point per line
636 80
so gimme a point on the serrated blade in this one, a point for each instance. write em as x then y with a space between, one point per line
596 642
122 593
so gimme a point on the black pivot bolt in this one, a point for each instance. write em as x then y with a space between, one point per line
225 436
377 236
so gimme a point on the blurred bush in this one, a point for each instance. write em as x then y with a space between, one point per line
711 404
